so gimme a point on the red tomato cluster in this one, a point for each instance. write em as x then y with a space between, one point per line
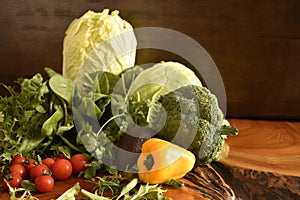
43 174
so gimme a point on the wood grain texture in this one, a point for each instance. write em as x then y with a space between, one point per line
254 44
204 181
271 146
250 184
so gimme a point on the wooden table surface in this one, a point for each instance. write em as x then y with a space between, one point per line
263 163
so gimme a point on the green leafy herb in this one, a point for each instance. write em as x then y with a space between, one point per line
70 193
22 121
120 186
147 192
92 169
20 193
35 114
127 188
28 185
92 196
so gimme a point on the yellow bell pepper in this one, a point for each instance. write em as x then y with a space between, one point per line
161 161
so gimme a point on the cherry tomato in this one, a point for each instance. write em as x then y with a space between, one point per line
62 169
19 169
18 159
38 170
78 162
13 179
44 183
60 156
30 164
48 162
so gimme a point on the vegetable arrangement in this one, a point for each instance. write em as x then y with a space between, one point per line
142 127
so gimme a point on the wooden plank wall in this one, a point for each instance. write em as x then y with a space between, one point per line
255 44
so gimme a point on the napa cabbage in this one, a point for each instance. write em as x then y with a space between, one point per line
98 42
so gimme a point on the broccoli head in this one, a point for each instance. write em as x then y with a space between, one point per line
195 122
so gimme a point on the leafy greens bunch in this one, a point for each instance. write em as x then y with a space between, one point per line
48 116
34 115
38 117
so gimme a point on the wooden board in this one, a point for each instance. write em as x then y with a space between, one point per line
271 146
243 174
250 184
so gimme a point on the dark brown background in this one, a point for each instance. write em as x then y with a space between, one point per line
255 44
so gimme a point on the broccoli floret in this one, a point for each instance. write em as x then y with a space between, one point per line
195 121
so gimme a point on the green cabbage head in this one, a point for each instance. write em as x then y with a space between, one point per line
161 79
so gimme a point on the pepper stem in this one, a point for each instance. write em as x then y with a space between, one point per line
149 162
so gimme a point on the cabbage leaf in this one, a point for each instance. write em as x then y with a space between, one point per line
161 79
